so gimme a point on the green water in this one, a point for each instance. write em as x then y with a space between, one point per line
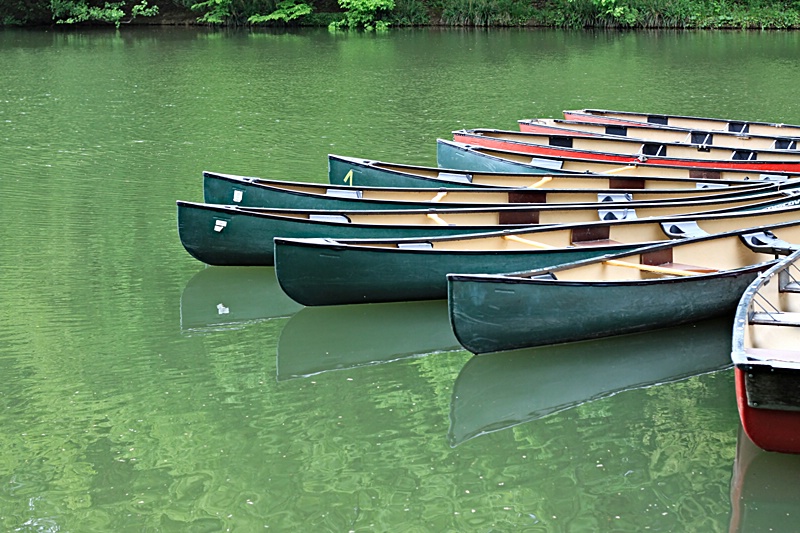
140 391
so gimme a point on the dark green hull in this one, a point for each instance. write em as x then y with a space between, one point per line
245 191
229 298
245 238
458 156
491 314
335 272
322 339
496 392
321 272
359 172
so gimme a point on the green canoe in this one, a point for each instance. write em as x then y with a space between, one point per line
237 236
478 167
652 287
457 155
340 271
248 191
507 389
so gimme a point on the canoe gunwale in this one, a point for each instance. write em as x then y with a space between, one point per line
739 354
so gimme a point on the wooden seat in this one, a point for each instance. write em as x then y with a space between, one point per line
776 319
767 354
791 287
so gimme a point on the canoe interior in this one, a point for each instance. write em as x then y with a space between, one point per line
621 145
659 133
691 258
586 234
773 328
518 216
569 190
679 121
618 170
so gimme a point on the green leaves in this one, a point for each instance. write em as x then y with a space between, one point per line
72 12
286 11
364 14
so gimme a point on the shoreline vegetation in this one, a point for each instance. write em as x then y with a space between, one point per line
379 15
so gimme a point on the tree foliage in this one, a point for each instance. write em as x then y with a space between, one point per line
286 11
75 11
366 14
379 14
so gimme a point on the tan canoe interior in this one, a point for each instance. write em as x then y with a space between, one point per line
773 330
641 177
594 234
649 148
662 134
541 215
619 170
754 128
682 260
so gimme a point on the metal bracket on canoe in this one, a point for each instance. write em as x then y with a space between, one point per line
415 245
220 225
238 194
343 193
773 178
555 164
768 243
617 214
711 185
452 176
614 197
329 218
681 230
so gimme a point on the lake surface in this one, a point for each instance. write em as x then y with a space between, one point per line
141 391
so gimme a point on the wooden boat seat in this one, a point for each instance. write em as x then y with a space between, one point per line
769 354
794 286
776 319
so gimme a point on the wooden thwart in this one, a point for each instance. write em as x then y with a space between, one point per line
541 182
652 268
618 170
436 218
527 241
615 262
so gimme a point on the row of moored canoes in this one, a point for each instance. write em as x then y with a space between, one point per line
602 224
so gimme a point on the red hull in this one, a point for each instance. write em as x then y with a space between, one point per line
769 429
571 153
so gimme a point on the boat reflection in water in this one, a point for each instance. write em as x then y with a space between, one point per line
319 339
764 489
223 298
504 389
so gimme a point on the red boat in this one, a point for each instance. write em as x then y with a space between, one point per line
766 357
633 151
744 127
668 134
